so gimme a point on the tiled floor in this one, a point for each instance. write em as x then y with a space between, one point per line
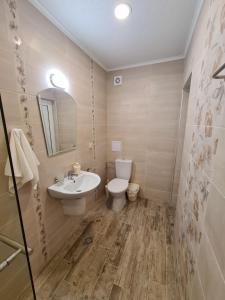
130 256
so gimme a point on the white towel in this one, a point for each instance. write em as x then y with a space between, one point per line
25 162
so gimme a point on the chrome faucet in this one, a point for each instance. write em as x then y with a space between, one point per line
70 175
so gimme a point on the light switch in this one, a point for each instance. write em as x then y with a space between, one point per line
116 146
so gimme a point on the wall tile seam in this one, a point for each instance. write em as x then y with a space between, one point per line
178 269
165 241
18 93
191 213
185 151
177 263
203 292
211 181
150 149
13 91
188 238
182 213
193 60
194 219
164 191
27 93
196 256
9 222
6 192
203 215
215 258
175 165
205 126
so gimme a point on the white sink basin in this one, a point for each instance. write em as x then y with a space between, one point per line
76 188
72 192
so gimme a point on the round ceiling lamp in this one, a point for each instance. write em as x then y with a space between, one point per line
122 11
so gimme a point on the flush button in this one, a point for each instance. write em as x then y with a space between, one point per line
116 146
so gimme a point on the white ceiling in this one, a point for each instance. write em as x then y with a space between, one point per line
157 30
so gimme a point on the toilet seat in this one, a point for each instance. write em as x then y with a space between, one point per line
117 185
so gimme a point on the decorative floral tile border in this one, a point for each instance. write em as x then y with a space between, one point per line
21 84
93 111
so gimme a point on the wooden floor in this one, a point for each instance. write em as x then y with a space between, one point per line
115 257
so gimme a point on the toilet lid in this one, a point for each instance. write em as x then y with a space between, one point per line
118 185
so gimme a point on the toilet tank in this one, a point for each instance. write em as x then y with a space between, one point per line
123 169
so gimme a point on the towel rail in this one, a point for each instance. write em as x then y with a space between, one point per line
5 263
15 245
218 74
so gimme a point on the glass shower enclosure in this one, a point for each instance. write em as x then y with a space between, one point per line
15 271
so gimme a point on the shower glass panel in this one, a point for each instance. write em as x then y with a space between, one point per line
15 274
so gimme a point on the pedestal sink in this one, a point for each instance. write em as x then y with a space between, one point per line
72 192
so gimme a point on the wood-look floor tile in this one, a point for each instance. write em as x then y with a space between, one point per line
156 291
118 245
172 292
128 262
111 233
64 291
130 257
170 218
105 282
84 274
127 214
119 293
47 289
80 247
53 264
116 293
170 265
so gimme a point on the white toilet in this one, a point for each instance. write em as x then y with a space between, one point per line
117 187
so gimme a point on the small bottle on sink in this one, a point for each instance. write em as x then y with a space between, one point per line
76 168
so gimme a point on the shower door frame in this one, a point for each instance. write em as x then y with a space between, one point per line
17 197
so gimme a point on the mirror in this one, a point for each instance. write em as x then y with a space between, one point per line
58 116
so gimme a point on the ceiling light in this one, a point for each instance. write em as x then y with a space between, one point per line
122 11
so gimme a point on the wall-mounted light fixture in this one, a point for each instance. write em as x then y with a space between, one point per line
58 79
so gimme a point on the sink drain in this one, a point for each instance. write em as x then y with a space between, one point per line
78 191
88 240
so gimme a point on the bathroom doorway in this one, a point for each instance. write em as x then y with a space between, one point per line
180 138
15 271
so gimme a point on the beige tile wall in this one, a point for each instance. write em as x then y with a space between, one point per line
23 75
143 113
200 247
